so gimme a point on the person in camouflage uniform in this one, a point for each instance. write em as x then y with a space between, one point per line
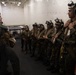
47 41
41 30
22 34
33 38
7 54
26 38
54 59
70 40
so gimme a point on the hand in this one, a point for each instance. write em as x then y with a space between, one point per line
71 25
45 37
56 36
67 23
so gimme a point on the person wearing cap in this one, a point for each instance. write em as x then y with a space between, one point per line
22 34
41 30
70 40
7 54
46 44
34 33
54 59
27 35
50 29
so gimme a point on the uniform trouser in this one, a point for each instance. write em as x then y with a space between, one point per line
26 45
9 55
47 49
22 43
69 65
39 48
29 43
54 60
33 44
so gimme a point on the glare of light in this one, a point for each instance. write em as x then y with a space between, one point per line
3 2
19 3
39 0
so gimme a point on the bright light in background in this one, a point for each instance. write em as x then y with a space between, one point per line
39 0
3 2
19 3
11 2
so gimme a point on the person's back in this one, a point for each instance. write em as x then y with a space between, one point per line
7 54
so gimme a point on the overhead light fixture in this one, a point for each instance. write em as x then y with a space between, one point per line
39 0
19 3
3 2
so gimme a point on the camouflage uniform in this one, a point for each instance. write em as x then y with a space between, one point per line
56 39
33 38
7 54
22 38
41 30
47 42
70 41
26 37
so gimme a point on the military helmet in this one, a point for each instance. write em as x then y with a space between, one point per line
72 6
35 24
49 22
61 23
57 22
41 24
